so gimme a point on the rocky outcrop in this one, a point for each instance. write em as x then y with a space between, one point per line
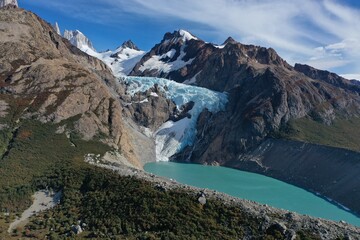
150 109
54 82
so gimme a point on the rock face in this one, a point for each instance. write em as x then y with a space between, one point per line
150 109
54 82
78 39
327 77
4 3
333 172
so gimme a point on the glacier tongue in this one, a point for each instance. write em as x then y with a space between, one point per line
172 137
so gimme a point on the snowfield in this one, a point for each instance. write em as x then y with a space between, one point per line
155 62
172 137
121 65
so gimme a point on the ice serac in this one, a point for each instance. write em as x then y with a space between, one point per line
57 28
176 134
79 40
4 3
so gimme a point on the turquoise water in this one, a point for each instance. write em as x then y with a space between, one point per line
254 187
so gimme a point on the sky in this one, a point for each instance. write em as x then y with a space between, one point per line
322 33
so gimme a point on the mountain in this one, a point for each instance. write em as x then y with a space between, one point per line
182 57
129 44
273 107
356 82
328 77
121 60
4 3
44 75
168 57
78 39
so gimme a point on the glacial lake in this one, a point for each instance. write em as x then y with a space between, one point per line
253 187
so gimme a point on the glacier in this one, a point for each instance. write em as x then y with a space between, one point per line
173 137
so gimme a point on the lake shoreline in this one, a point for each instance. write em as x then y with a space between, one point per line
327 199
327 229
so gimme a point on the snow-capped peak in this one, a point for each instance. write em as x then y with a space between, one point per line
78 39
4 3
179 36
186 36
129 44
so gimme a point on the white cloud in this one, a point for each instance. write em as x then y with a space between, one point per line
324 33
351 76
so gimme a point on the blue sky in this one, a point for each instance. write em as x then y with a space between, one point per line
322 33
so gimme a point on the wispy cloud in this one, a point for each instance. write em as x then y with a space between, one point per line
323 33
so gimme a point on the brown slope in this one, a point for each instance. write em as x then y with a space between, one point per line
44 77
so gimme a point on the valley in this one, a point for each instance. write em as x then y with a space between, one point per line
86 124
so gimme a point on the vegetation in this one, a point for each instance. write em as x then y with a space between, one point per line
106 205
343 133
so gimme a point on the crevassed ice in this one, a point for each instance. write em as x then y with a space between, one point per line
172 137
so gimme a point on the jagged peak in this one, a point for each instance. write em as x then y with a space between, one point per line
73 32
78 39
229 40
57 28
187 36
179 35
4 3
129 44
